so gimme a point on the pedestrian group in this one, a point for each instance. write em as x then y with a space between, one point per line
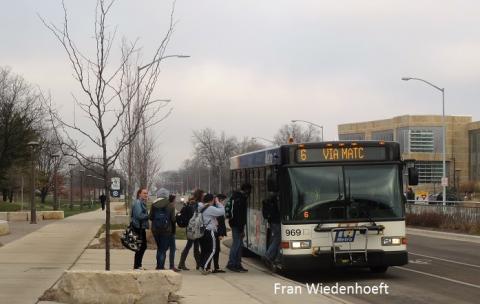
203 216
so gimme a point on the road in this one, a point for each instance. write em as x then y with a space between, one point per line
439 271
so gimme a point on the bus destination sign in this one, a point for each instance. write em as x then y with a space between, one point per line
328 154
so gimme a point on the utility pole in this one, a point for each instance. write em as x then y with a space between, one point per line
33 209
71 184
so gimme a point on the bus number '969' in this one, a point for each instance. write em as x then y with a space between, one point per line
293 232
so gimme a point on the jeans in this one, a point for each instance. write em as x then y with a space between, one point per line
196 253
139 254
276 238
172 248
163 242
235 257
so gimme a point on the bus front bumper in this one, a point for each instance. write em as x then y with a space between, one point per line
326 260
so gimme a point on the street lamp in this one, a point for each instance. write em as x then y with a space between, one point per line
139 68
82 173
270 141
129 165
71 166
55 157
310 123
33 211
444 177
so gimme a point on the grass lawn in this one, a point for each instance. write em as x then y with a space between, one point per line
48 206
9 207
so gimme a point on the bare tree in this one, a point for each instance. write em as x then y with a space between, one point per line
299 134
147 159
49 158
248 144
109 93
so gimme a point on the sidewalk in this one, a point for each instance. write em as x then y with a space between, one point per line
444 235
256 286
32 264
20 229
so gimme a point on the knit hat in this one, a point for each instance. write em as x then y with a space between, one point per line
163 193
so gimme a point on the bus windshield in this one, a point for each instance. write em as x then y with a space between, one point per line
344 193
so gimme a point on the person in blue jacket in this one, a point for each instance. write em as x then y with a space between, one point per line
140 225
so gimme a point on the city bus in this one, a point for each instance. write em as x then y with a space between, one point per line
341 203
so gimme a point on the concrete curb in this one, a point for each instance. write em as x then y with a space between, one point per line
444 235
4 228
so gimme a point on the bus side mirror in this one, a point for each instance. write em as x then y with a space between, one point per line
412 176
272 183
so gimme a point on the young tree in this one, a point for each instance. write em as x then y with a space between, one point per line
48 162
109 93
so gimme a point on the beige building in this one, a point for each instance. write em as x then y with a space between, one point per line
421 138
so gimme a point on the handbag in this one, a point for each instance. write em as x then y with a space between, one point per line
130 239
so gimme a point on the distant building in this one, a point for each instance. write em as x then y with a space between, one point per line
420 138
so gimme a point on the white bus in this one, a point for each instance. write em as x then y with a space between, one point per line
341 203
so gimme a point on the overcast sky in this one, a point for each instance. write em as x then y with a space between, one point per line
257 64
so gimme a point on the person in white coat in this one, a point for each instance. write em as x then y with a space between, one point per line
211 211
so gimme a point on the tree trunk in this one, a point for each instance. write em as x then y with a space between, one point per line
106 185
43 195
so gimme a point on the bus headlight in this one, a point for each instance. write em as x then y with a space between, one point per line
393 241
301 244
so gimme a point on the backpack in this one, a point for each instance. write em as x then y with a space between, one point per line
196 226
161 220
229 206
183 217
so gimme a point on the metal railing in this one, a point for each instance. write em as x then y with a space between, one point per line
464 212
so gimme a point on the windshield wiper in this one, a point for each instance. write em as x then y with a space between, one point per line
367 208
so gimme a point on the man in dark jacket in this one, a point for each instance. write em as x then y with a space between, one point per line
237 224
103 199
162 215
271 213
171 244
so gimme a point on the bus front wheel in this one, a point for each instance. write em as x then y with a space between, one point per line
379 269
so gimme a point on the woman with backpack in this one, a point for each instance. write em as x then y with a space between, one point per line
192 205
140 224
211 209
162 215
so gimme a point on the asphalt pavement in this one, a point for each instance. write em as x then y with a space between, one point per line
439 271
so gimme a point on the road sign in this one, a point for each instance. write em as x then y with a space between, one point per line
444 181
115 183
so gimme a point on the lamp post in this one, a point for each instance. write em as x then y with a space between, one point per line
71 166
33 209
257 137
310 123
444 127
55 157
82 173
129 165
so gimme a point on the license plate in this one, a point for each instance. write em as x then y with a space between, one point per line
345 236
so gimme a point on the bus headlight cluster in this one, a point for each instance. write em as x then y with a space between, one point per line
301 244
393 241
